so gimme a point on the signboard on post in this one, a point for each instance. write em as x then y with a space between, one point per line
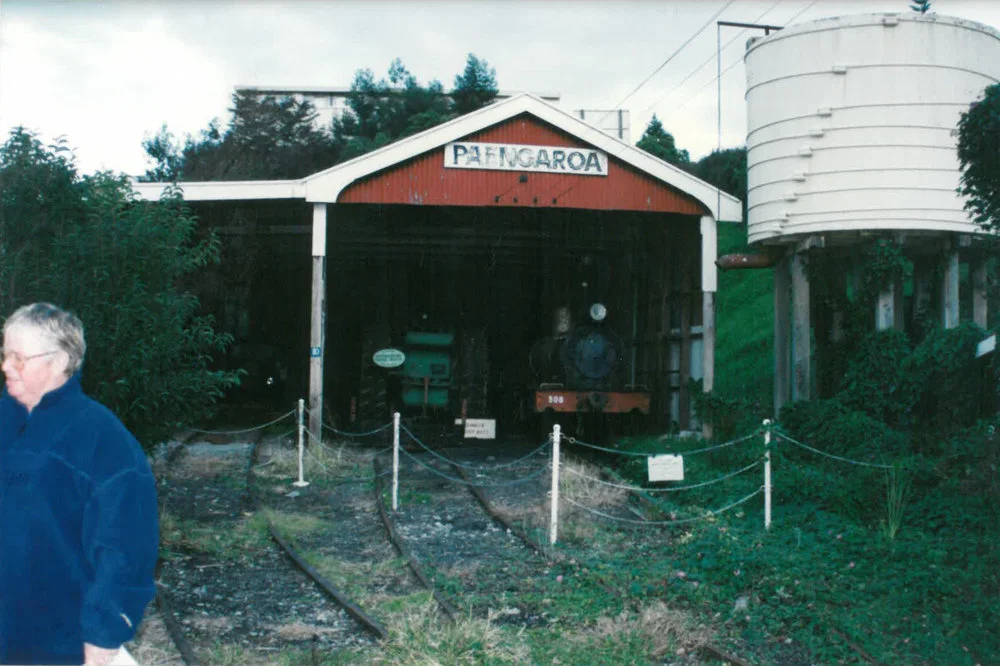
389 358
665 468
480 428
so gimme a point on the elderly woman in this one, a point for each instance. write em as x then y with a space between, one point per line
78 512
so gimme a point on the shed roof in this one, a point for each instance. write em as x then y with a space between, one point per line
329 185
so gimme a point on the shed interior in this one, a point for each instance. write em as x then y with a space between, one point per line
492 277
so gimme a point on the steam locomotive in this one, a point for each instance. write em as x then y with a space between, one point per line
581 369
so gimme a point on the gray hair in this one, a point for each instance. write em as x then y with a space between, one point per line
62 329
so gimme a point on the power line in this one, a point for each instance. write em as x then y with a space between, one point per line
674 54
727 69
709 59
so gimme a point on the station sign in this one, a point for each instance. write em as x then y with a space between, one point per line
480 428
520 157
665 468
389 358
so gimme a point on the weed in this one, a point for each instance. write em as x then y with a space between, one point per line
329 462
293 525
580 482
897 482
227 654
419 637
227 544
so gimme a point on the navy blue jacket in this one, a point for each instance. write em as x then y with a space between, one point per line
78 529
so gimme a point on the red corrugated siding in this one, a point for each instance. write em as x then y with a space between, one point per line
424 180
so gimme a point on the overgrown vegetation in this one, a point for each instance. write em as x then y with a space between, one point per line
86 244
898 563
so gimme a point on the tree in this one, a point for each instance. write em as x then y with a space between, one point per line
89 245
979 158
385 110
267 138
726 170
658 142
475 87
278 137
921 6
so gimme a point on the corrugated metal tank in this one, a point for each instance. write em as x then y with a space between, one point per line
851 124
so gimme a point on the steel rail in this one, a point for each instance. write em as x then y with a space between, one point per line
502 520
449 609
174 630
369 623
550 555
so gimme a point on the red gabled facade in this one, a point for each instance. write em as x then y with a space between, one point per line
424 180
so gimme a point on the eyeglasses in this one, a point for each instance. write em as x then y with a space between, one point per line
18 361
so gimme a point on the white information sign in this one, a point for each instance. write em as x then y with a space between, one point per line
480 428
665 468
389 358
986 346
519 157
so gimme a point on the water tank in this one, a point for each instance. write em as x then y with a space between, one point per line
851 124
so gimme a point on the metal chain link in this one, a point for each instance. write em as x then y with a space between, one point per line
285 434
465 466
682 521
663 490
829 455
245 430
344 433
523 479
342 479
647 454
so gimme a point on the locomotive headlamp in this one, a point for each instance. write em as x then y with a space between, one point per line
598 312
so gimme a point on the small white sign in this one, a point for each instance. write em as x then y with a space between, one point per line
665 468
480 428
986 346
520 157
389 358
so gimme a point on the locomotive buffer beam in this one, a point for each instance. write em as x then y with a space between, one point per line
607 402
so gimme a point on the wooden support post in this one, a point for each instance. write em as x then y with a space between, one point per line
709 285
949 290
980 309
801 331
899 312
317 328
885 309
684 369
659 329
922 290
782 334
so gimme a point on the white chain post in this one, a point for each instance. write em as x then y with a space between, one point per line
395 461
767 474
554 522
302 483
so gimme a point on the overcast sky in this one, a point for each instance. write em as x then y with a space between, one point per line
104 74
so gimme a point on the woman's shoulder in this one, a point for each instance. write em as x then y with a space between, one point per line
109 446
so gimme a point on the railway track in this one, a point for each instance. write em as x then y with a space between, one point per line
226 592
471 532
495 568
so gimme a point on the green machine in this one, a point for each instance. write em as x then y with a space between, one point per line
427 372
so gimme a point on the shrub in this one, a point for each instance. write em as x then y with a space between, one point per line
87 244
944 380
874 380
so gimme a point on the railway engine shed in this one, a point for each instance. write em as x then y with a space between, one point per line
522 260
